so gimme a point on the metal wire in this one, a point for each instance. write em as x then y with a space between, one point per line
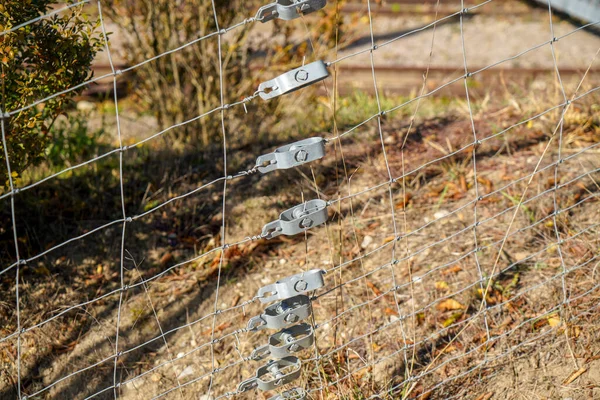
380 189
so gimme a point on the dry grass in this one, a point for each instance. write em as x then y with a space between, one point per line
362 344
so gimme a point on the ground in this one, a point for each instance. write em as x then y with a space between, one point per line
423 226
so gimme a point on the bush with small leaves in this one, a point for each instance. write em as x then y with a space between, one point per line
37 60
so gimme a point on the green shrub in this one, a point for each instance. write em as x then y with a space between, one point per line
73 141
184 84
38 60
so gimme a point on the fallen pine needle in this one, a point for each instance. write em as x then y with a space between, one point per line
575 375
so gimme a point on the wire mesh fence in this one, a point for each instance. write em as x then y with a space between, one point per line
450 246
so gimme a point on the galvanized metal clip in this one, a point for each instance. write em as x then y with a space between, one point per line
292 155
293 80
286 342
297 219
282 315
292 394
288 9
272 375
292 286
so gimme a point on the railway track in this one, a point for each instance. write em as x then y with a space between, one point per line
401 80
431 7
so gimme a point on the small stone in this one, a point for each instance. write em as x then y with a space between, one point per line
133 385
389 140
47 371
85 106
187 371
179 355
521 255
282 261
440 214
155 377
367 240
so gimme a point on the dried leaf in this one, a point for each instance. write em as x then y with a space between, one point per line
540 323
463 183
42 270
389 311
554 321
374 288
449 304
358 376
219 328
575 375
441 285
425 396
452 319
216 260
452 270
485 396
485 182
448 349
592 358
165 259
389 239
488 298
401 205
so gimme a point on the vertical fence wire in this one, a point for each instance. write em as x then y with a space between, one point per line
323 355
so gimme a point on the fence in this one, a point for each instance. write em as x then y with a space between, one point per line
405 308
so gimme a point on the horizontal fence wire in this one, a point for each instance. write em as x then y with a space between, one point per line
398 243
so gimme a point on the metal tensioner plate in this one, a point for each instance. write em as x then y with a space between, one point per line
292 155
293 80
292 285
282 314
286 342
297 219
292 394
273 375
288 9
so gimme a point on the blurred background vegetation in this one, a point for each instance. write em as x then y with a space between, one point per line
56 53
